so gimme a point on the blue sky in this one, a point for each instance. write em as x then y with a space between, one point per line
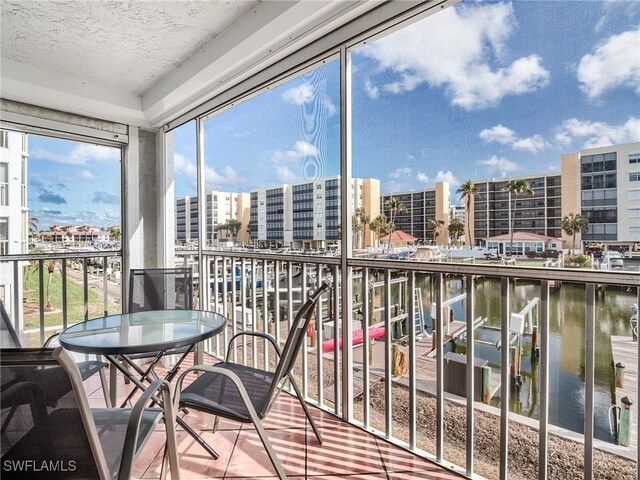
479 90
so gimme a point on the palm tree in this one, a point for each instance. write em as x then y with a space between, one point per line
468 190
516 187
395 206
51 267
233 226
436 225
455 228
575 223
115 233
359 221
381 226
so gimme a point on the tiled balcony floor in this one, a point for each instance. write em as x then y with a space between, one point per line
347 452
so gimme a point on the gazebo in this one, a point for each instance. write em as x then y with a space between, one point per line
398 239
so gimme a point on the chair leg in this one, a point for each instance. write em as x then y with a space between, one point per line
305 408
105 388
268 447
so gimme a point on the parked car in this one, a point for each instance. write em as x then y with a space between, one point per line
613 258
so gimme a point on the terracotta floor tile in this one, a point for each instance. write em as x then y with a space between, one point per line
345 450
397 459
432 474
363 476
250 457
194 461
153 448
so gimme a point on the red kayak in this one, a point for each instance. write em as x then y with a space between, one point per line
358 338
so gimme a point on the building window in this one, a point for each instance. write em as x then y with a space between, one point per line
4 184
4 236
634 158
4 139
634 177
634 213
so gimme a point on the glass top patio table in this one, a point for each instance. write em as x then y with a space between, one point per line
140 332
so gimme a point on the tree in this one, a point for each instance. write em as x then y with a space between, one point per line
515 188
359 221
436 225
381 226
573 224
33 226
51 267
395 206
233 226
455 228
115 233
468 190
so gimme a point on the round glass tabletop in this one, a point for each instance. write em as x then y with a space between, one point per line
142 332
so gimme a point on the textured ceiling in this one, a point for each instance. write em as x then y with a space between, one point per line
124 45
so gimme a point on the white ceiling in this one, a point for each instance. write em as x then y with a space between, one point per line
143 62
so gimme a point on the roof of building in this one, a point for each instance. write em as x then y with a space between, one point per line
398 235
521 236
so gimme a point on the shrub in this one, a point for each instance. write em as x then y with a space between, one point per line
580 261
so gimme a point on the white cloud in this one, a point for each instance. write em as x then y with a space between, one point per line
400 173
81 154
498 134
456 52
448 177
300 150
299 95
506 136
614 63
287 162
371 89
305 94
598 134
212 178
422 177
500 164
87 175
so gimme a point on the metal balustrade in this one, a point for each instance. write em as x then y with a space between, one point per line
262 291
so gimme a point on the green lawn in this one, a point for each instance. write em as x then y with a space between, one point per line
75 301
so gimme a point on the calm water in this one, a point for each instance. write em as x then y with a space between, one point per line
566 349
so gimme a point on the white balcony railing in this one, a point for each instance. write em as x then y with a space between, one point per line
395 378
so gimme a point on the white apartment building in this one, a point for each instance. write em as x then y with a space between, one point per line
306 215
603 184
14 212
221 207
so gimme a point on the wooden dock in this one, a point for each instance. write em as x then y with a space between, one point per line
625 351
425 369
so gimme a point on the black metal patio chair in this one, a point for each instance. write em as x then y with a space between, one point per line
158 289
66 439
245 394
10 339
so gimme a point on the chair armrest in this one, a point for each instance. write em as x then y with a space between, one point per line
133 426
252 334
48 341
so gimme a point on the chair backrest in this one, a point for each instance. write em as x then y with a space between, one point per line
8 336
160 289
42 439
296 337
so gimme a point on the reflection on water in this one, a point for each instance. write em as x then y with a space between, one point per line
566 345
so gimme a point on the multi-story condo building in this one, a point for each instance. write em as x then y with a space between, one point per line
306 215
603 184
221 207
14 211
420 206
540 213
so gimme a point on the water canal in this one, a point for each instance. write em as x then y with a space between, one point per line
566 346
